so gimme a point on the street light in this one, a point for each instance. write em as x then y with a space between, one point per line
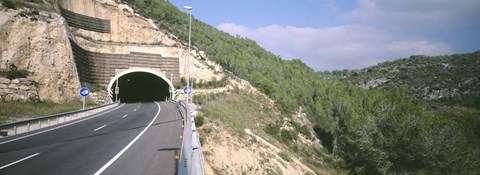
189 8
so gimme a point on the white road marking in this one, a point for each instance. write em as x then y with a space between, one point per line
99 128
61 126
134 110
125 116
129 145
18 161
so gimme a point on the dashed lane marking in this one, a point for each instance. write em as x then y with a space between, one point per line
18 161
99 128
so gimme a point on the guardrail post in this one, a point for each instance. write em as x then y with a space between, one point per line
15 130
40 124
28 127
48 122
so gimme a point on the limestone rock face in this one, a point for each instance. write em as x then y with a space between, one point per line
126 27
37 41
131 32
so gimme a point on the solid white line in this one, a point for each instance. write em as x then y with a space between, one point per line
129 145
99 128
125 116
60 126
18 161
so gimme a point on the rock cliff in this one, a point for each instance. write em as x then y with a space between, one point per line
37 41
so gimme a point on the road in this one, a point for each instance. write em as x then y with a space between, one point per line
135 138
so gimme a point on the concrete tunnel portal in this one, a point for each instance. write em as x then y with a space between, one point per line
140 85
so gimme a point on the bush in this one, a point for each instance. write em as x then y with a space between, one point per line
287 136
272 130
13 72
9 4
199 120
285 155
325 136
96 88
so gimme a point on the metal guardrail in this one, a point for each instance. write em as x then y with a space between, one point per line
191 160
18 127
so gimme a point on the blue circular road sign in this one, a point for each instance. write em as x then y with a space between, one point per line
84 92
187 90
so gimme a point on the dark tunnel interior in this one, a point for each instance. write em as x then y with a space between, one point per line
141 87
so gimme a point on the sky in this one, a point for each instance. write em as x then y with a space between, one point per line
347 34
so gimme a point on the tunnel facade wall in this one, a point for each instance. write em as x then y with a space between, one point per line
99 68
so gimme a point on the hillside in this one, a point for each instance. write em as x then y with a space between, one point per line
371 131
299 117
448 80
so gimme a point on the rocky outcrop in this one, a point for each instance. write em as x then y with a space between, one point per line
131 33
126 26
37 41
20 89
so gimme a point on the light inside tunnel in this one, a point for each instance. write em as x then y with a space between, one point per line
140 87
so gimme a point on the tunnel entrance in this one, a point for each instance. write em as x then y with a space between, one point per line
140 86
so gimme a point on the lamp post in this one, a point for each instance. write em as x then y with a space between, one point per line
189 8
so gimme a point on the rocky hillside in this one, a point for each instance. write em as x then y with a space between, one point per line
36 41
450 79
299 122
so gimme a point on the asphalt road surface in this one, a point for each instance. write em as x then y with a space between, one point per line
135 138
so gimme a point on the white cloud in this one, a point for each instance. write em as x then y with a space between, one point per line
374 31
414 14
338 47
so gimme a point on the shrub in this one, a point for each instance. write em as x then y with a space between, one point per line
285 155
325 136
199 120
272 130
287 136
9 4
96 88
14 73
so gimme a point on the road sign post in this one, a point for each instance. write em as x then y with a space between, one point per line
84 92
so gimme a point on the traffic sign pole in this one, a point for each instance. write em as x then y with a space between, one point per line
83 102
84 92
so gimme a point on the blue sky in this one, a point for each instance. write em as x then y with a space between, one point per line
347 34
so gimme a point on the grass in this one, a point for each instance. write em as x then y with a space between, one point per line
12 111
238 111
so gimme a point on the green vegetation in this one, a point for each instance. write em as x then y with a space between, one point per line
238 109
211 84
285 155
9 4
373 131
14 4
11 111
455 76
13 72
199 120
225 108
96 88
